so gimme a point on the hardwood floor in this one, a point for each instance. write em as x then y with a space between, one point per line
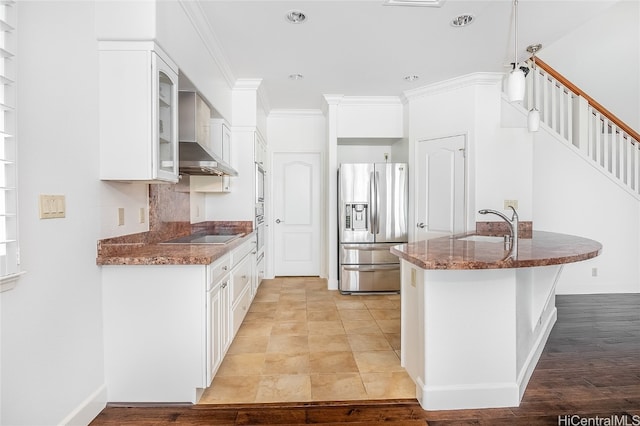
590 368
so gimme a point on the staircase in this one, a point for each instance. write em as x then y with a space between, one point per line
578 120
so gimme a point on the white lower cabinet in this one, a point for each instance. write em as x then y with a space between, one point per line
243 277
218 333
168 327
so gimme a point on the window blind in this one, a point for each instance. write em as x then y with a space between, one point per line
9 251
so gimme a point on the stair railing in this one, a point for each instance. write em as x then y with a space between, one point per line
579 119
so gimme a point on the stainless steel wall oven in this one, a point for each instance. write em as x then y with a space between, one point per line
260 182
259 227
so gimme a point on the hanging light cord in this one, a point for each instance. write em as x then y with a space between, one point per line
533 76
515 43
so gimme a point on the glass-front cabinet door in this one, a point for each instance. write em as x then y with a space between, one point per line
166 139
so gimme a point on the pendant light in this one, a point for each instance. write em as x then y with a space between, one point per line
533 119
515 81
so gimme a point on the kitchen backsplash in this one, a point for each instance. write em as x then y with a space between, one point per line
166 205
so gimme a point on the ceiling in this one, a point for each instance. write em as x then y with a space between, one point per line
365 48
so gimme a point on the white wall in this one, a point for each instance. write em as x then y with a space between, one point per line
296 131
370 116
605 67
52 351
572 197
498 167
130 196
364 153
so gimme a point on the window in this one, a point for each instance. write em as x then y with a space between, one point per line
9 252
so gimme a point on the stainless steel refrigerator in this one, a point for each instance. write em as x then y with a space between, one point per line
372 217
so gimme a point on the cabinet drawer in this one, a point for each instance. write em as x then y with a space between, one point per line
241 309
217 271
243 250
241 279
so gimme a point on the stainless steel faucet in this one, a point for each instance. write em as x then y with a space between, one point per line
513 227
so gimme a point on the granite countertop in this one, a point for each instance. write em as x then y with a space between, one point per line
540 249
145 248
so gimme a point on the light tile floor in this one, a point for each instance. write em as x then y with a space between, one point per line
301 342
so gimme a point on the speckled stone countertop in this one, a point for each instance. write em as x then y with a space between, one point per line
541 249
144 248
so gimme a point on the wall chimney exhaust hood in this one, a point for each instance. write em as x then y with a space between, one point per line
195 159
194 156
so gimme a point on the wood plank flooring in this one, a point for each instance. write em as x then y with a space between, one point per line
590 368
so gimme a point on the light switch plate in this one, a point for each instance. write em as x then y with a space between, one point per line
52 206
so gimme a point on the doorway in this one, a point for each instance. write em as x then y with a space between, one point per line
296 213
440 190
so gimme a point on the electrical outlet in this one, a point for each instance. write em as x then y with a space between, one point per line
52 206
142 215
120 216
594 272
413 277
510 203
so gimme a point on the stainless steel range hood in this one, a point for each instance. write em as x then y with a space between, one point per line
194 157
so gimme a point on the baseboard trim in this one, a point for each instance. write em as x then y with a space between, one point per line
84 413
475 396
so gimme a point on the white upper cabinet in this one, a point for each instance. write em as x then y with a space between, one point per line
221 139
138 112
220 144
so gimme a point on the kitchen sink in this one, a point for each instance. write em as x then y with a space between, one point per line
482 239
204 239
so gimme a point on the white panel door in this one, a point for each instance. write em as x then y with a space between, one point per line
296 218
440 188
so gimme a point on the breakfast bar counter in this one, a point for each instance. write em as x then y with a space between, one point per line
475 317
458 252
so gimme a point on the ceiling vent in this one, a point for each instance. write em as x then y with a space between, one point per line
427 3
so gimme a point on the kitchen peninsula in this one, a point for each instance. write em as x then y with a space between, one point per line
474 319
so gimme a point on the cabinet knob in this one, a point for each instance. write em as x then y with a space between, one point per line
278 221
224 284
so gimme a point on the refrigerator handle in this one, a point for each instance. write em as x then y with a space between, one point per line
377 202
372 205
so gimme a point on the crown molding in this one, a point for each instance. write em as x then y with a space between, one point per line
371 100
480 78
196 15
333 99
247 84
300 113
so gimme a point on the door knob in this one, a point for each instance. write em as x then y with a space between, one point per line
278 221
421 225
